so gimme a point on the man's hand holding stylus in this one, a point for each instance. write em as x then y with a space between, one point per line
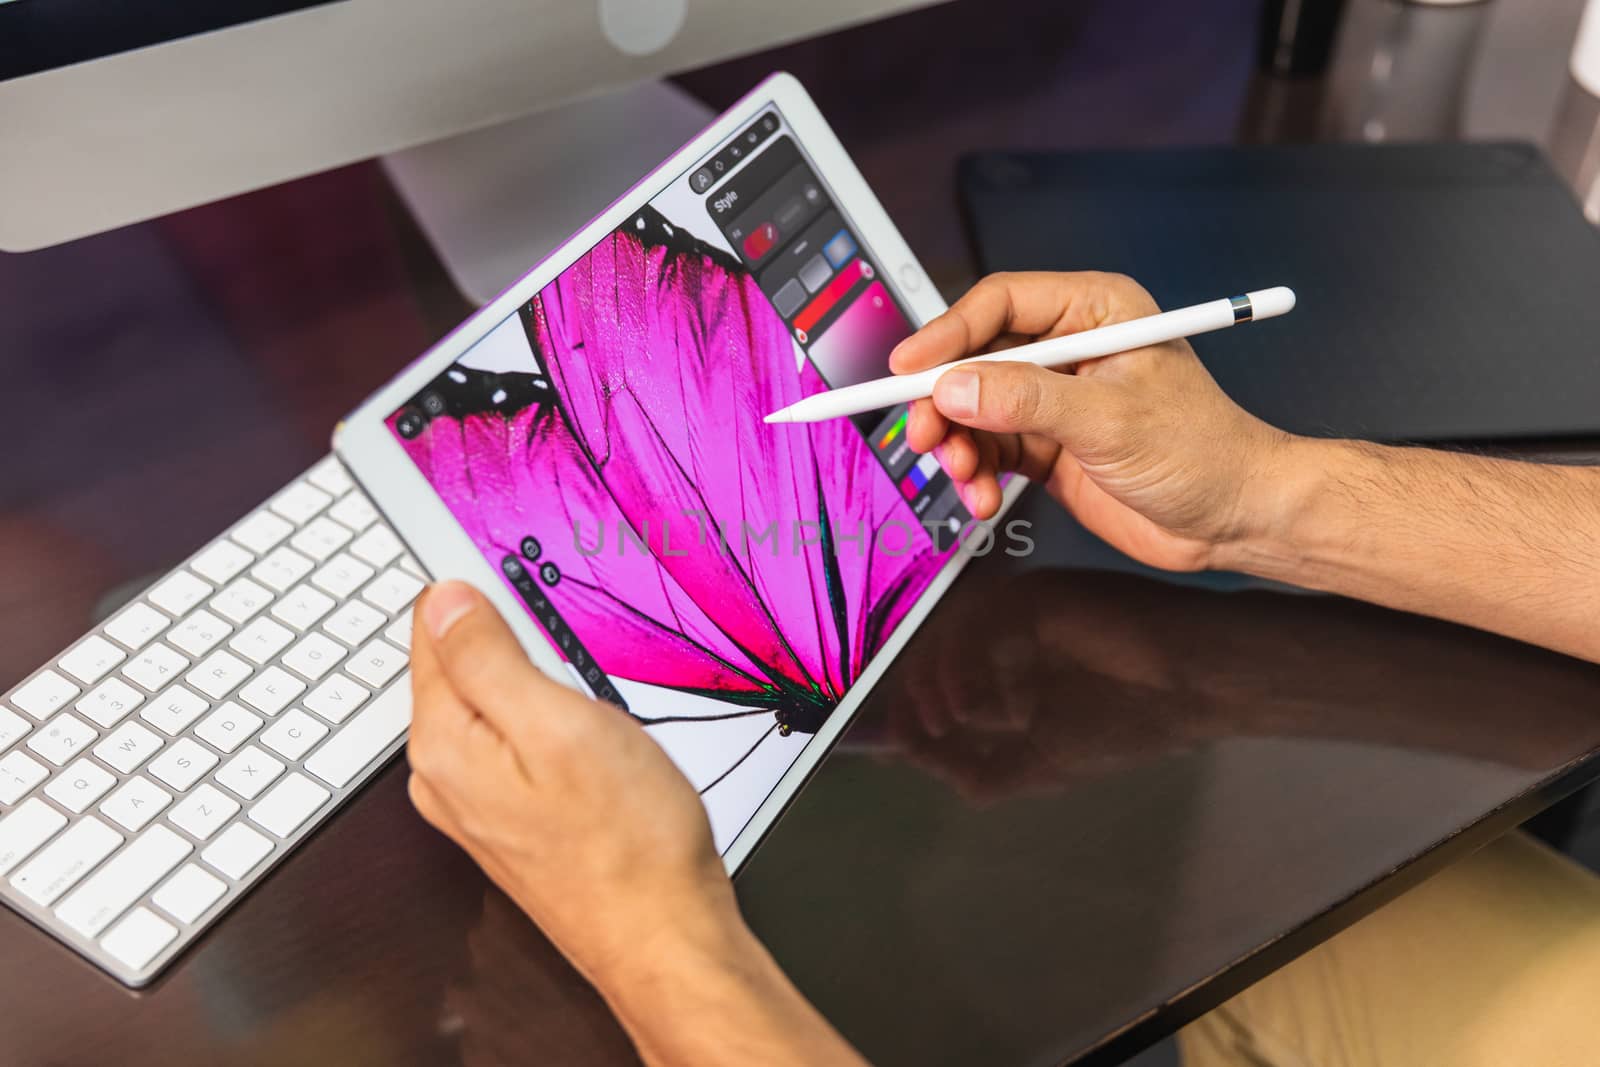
1148 453
1142 447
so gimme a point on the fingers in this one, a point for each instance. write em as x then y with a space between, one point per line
463 641
959 454
981 492
440 721
450 744
1037 304
1018 398
925 427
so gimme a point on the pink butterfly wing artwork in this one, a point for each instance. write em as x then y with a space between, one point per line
698 548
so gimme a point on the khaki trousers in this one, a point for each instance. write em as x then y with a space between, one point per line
1494 962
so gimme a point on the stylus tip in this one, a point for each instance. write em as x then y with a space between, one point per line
778 416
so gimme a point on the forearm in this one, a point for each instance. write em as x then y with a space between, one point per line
710 995
1509 547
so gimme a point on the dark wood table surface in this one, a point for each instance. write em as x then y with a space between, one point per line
1083 807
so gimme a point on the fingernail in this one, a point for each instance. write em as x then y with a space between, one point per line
956 394
445 605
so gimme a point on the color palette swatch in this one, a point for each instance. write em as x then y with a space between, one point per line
896 428
834 292
918 477
856 347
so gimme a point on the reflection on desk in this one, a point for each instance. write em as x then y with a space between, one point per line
1080 797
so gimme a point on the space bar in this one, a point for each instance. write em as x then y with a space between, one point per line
363 738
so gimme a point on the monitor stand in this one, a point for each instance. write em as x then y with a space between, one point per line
495 201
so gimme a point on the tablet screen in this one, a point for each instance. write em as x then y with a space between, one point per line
723 581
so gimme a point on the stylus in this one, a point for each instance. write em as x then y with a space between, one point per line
1056 352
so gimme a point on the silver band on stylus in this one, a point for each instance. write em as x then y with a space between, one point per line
1242 311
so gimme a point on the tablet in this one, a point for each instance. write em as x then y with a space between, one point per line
588 449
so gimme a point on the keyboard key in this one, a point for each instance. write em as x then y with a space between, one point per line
378 546
354 622
341 575
261 640
199 633
354 511
281 568
92 659
302 606
174 710
65 860
137 625
250 772
222 562
228 727
62 738
241 599
271 691
13 728
19 773
135 804
203 812
330 476
183 764
125 878
291 802
399 631
178 593
109 702
138 939
363 739
189 894
127 747
43 695
321 538
393 590
155 666
238 851
25 830
299 502
314 656
80 785
294 735
261 531
336 698
218 673
377 663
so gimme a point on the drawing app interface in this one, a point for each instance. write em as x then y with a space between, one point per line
723 581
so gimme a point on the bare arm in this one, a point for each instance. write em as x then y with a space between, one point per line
1505 546
720 998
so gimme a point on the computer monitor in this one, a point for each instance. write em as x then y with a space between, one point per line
112 112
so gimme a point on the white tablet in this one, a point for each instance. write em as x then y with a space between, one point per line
588 449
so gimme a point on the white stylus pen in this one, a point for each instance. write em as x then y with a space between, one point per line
1056 352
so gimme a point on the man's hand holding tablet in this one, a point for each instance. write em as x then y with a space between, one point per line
586 824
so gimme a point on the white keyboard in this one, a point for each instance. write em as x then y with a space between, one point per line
161 766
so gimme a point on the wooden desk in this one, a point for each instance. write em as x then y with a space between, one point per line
1055 835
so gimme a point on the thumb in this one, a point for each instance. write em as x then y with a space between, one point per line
1005 397
479 655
